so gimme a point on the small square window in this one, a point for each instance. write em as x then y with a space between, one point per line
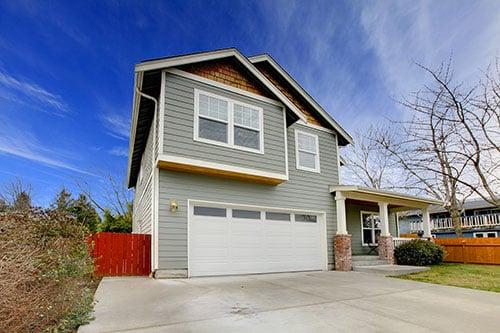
275 216
209 211
305 218
246 214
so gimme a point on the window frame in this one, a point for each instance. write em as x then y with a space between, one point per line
230 122
372 213
485 234
317 168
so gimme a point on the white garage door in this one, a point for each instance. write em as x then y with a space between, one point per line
228 240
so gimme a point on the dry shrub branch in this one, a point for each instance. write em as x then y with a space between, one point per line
45 272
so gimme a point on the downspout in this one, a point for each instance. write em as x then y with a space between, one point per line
153 180
154 121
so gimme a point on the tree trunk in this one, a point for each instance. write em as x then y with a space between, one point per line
455 219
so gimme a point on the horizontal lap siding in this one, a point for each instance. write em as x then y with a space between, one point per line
305 190
179 121
143 196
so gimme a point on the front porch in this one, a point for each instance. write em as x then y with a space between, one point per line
367 222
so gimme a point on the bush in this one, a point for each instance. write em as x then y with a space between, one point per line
45 272
419 252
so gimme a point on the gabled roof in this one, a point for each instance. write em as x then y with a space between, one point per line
164 63
267 58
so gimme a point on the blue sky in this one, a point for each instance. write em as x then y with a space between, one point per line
66 68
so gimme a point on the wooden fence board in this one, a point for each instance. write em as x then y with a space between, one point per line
471 250
118 254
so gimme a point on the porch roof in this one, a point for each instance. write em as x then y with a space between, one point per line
376 195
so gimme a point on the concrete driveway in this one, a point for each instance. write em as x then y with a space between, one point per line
290 302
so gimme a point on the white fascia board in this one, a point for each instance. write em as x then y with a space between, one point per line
192 58
303 93
382 193
182 60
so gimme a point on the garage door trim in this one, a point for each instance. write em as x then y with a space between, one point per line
320 214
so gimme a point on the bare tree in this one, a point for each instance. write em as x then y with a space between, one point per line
449 146
367 163
16 195
116 197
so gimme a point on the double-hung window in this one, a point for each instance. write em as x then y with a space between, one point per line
229 123
307 151
370 228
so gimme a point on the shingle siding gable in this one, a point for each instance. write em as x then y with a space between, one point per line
227 71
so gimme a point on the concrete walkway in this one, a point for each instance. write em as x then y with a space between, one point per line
291 302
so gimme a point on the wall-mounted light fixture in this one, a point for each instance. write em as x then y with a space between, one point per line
173 206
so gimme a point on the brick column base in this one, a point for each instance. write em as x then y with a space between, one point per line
386 249
343 252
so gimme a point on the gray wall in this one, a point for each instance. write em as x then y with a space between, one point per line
353 216
305 190
178 129
143 196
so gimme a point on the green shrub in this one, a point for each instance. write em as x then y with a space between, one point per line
419 252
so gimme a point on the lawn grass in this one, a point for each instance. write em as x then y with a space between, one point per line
483 277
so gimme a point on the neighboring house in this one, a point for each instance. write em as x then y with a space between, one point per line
479 219
236 170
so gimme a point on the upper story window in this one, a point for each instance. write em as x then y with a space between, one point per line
222 121
307 151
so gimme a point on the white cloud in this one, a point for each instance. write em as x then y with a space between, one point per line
118 126
119 151
23 92
21 143
404 32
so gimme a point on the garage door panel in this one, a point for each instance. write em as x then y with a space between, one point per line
223 246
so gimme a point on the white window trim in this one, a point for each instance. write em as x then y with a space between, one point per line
372 229
230 122
300 167
485 233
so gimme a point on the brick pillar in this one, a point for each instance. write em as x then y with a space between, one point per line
386 248
343 252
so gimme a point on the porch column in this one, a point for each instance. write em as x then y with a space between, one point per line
385 243
384 219
342 241
341 217
426 221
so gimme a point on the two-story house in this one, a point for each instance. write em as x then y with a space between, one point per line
236 170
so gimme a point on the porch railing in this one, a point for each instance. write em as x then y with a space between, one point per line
400 240
466 221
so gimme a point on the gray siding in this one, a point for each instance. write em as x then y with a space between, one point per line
143 196
353 216
305 190
178 129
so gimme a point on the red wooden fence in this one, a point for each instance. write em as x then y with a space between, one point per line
471 250
117 254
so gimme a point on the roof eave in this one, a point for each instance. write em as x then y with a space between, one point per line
383 193
138 77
